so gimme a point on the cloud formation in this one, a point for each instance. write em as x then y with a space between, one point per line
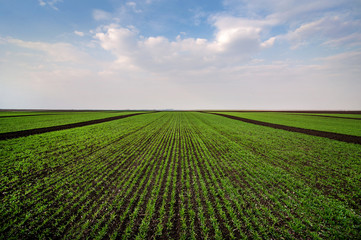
257 55
54 52
78 33
330 30
50 3
101 15
306 22
236 39
235 42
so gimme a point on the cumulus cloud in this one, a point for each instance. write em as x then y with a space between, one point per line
225 64
230 69
235 42
240 34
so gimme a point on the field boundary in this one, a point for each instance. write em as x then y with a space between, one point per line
25 133
330 135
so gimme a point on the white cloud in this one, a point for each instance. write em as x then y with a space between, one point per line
80 34
286 10
55 52
235 42
350 60
352 40
268 43
223 66
119 40
325 22
101 15
240 34
133 6
42 3
228 70
50 3
125 13
331 83
331 30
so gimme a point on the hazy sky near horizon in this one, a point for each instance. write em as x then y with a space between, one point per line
161 54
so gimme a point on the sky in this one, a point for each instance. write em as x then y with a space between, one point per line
173 54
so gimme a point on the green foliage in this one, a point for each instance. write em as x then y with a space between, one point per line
179 175
30 120
309 121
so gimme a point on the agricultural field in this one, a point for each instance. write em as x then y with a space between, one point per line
337 115
182 175
337 123
18 121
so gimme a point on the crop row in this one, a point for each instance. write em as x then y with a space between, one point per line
340 125
68 162
182 176
330 166
41 120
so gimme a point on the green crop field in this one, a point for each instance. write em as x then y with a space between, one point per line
11 122
341 124
341 115
181 175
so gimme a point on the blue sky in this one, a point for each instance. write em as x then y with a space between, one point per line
157 54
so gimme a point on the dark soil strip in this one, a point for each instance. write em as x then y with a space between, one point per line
326 116
330 135
25 133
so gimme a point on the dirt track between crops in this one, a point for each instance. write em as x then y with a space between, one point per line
25 133
330 135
